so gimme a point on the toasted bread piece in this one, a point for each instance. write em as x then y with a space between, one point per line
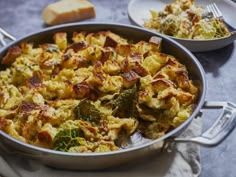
66 11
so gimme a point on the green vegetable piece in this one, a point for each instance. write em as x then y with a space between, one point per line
67 138
125 103
88 112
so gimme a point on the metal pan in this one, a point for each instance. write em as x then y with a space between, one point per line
223 125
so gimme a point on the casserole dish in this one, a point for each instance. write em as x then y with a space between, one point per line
139 146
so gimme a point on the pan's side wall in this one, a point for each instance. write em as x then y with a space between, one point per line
80 161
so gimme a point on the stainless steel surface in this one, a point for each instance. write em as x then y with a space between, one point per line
7 34
4 34
2 41
221 128
213 8
103 160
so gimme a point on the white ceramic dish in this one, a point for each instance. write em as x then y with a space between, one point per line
139 12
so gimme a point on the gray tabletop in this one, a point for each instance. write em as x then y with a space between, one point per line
21 17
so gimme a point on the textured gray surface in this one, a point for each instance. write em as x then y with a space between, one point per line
21 17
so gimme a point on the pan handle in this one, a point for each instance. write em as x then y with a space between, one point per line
220 129
4 34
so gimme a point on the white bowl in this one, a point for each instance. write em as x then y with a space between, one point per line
139 12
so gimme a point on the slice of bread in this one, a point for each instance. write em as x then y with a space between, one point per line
66 11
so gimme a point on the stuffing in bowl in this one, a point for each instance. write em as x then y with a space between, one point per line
184 19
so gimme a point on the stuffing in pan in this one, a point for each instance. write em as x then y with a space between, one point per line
185 19
91 93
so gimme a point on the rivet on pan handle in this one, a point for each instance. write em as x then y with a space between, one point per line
220 129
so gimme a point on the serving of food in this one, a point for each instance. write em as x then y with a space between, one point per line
91 93
185 19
